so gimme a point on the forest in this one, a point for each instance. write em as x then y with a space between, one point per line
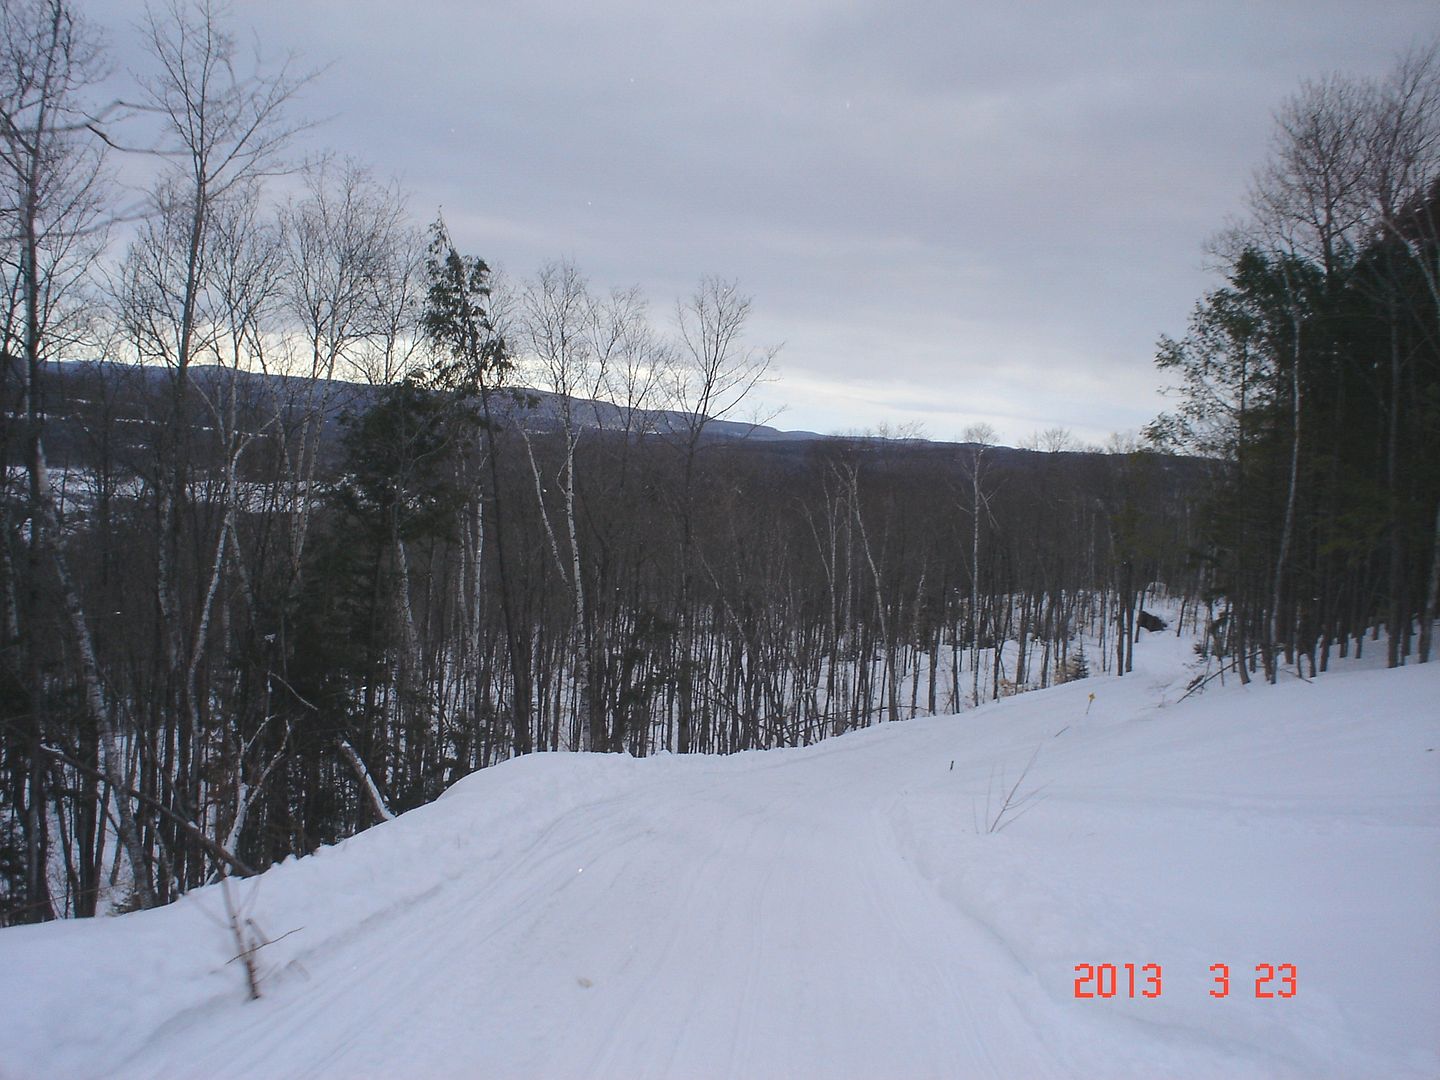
306 514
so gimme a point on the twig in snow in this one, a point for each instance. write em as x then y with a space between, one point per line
1011 805
261 944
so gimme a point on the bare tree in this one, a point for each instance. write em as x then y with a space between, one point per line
352 261
221 128
636 361
974 470
55 208
557 318
982 434
715 372
717 369
1309 199
352 267
224 127
1053 440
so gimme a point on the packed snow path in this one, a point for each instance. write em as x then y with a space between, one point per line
837 911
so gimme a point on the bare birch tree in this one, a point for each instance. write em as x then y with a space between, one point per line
715 371
223 127
55 209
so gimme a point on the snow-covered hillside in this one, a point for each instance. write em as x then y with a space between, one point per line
839 911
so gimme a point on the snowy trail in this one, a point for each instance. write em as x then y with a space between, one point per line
757 932
827 912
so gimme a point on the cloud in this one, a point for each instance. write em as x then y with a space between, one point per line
986 202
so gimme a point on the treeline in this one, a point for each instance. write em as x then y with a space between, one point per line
354 652
1313 374
236 629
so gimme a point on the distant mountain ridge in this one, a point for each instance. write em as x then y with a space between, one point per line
540 409
73 388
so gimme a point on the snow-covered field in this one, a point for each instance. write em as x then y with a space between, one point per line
839 911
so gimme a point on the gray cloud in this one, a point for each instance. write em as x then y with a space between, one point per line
995 208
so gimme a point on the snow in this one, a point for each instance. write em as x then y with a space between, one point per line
835 911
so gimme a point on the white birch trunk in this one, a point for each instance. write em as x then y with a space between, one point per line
367 782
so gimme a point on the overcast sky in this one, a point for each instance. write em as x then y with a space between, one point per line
947 212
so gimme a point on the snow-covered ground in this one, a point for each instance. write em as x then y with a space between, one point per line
839 911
